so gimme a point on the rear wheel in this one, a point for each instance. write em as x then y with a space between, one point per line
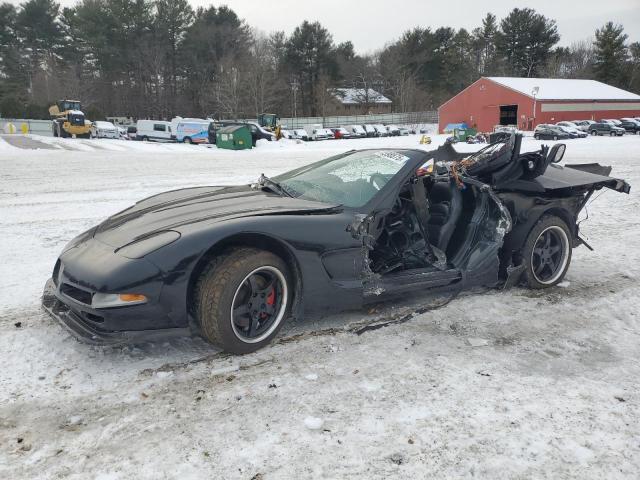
187 140
611 134
547 252
242 299
594 133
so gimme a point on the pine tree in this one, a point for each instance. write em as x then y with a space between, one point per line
484 45
634 76
309 56
525 41
611 55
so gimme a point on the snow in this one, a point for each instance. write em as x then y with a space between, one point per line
553 393
359 95
313 423
565 89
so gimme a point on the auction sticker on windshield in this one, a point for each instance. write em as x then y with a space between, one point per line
395 157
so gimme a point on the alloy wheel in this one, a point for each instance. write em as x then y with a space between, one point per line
550 255
259 304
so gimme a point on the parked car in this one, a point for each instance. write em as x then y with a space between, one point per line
300 134
237 262
604 128
381 130
630 125
550 132
329 133
122 132
102 129
567 124
316 133
370 130
356 131
393 130
583 124
154 131
132 132
572 131
403 131
341 133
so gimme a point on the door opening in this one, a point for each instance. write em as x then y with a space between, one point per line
508 114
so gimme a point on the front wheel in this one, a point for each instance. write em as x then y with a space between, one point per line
537 137
242 299
612 134
547 252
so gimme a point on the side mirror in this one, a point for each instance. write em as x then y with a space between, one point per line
556 153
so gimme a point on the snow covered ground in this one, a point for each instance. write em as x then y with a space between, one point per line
552 390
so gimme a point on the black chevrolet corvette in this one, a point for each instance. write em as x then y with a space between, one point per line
232 263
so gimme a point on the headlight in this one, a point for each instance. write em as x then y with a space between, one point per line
145 246
107 300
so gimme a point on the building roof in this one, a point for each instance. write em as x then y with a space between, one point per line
565 89
358 96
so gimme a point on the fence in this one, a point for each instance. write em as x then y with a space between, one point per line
410 118
37 127
43 127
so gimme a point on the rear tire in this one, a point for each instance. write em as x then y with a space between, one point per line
611 134
594 133
187 140
547 252
233 306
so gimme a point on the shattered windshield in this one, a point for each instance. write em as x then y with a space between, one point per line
350 180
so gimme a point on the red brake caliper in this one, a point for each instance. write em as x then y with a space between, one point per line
271 298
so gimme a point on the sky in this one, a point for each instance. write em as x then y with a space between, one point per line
370 24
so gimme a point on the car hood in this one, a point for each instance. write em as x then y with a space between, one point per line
178 208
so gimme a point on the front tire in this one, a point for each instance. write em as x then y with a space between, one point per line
547 252
242 299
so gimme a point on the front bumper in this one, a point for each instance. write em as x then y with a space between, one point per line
74 318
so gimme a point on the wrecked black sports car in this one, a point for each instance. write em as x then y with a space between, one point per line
235 262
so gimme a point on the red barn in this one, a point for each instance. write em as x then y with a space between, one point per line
492 101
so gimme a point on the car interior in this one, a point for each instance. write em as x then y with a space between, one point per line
432 222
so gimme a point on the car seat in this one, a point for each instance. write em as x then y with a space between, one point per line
444 211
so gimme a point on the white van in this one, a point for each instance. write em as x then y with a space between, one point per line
154 131
191 130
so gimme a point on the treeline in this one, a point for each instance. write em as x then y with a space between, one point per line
161 58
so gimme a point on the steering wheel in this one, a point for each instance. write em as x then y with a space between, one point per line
377 180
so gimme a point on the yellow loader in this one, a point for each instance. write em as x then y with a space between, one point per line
68 120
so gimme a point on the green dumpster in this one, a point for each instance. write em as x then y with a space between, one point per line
461 134
234 137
